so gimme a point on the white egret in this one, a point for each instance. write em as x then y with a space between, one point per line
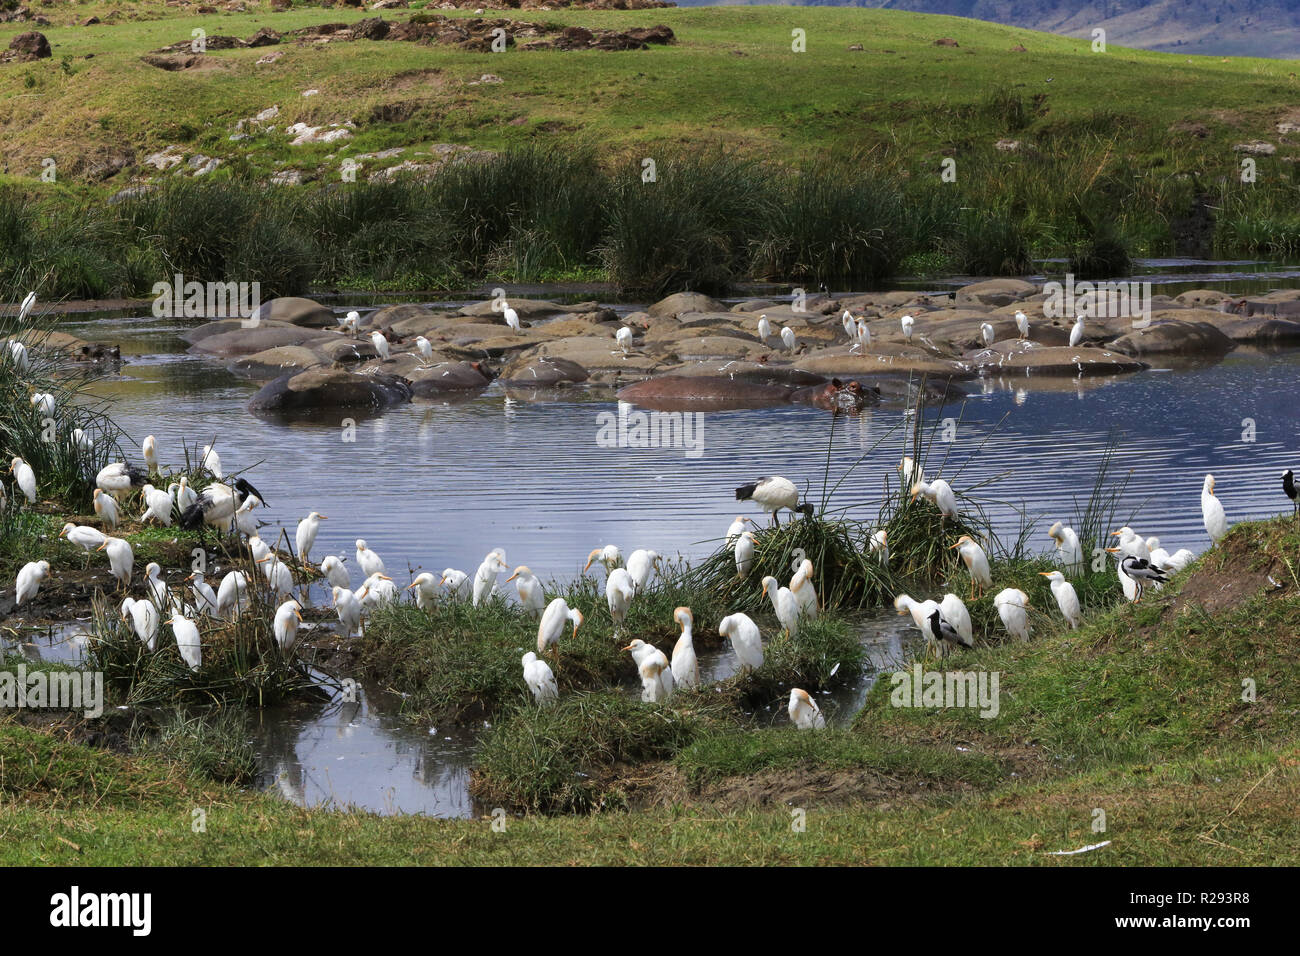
1012 604
232 595
532 597
880 546
29 301
121 559
367 560
619 591
285 625
154 585
1022 325
773 494
158 506
44 403
540 680
149 449
551 627
380 343
746 641
1068 548
1216 521
657 682
1131 543
348 609
425 348
864 334
955 613
1076 332
335 574
210 460
744 552
610 556
81 439
686 666
305 536
205 599
919 610
278 576
485 578
784 603
84 537
787 338
29 581
144 619
1066 598
977 564
425 587
850 327
641 565
457 582
187 641
764 329
351 322
940 493
804 712
736 529
624 338
908 471
987 334
18 352
803 589
511 316
25 477
186 497
907 323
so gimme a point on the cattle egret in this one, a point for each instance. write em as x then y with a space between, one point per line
656 673
425 587
86 538
285 625
380 343
485 578
540 680
1022 325
987 334
1066 599
367 560
158 506
686 667
212 462
25 477
1076 333
640 565
187 641
1216 521
348 609
805 593
977 564
787 338
305 536
619 591
551 627
736 529
532 598
511 316
149 448
624 338
907 323
744 552
746 641
764 329
940 493
1011 604
457 582
957 616
121 559
880 546
784 603
425 348
1068 548
29 581
205 599
232 595
610 556
144 619
804 712
335 574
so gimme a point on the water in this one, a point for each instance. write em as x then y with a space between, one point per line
433 486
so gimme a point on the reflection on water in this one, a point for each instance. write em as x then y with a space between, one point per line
438 485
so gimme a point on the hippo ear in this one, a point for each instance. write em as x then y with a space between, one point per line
837 383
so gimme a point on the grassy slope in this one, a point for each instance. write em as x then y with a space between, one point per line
1139 714
769 101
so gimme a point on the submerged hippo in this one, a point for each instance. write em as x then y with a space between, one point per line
721 392
839 397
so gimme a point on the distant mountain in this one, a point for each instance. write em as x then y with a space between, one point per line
1267 28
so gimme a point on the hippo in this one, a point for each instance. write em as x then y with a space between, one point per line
324 387
673 393
449 377
839 397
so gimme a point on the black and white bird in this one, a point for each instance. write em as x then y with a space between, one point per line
119 478
772 494
1141 572
217 504
945 634
1289 488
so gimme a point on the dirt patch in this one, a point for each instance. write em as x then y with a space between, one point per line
111 730
1237 571
176 62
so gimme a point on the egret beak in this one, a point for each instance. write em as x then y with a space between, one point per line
63 532
103 546
297 614
955 546
1115 534
628 648
512 577
409 586
262 560
322 518
1112 550
590 558
1046 574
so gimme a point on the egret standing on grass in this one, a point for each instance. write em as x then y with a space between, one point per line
619 591
804 712
29 581
736 529
939 492
121 559
158 506
784 603
232 595
540 680
656 673
204 597
1067 547
686 667
744 552
610 556
425 587
149 448
772 494
1066 599
25 309
640 565
746 641
86 538
551 627
287 618
1012 604
187 641
955 613
25 477
880 546
348 608
305 536
805 593
144 619
485 578
210 460
457 582
1216 521
532 598
977 564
